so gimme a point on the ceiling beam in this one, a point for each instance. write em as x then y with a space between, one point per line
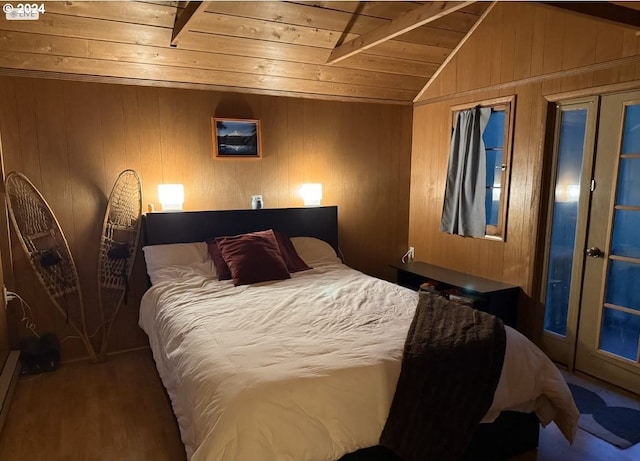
455 51
398 26
620 15
186 17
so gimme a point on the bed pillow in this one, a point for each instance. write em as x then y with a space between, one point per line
291 258
253 257
218 261
314 251
191 255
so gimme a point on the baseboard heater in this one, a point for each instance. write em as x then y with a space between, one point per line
8 381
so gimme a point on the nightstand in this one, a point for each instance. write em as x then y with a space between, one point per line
497 298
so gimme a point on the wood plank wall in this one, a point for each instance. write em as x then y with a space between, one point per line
72 139
4 333
518 40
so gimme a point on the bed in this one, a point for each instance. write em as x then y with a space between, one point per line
305 368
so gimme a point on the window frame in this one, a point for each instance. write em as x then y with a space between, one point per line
506 103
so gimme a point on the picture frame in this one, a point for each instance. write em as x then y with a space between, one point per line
236 138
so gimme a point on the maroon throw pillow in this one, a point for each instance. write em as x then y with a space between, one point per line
293 261
218 261
253 257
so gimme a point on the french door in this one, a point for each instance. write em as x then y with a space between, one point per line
609 330
592 291
574 137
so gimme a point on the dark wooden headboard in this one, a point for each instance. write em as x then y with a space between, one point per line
198 226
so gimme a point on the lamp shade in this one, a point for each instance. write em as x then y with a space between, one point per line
311 193
171 196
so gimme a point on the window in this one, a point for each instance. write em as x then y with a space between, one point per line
493 138
497 138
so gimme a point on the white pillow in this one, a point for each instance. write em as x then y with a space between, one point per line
192 255
314 251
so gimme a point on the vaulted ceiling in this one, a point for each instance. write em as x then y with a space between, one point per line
280 48
359 51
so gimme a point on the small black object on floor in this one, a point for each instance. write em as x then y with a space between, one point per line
621 421
38 355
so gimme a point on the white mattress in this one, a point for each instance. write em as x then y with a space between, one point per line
306 368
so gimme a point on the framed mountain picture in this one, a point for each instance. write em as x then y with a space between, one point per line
239 138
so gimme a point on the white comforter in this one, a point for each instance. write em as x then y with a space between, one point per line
306 368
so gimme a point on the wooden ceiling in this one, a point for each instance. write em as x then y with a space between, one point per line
277 48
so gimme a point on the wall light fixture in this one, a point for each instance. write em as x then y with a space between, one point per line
171 196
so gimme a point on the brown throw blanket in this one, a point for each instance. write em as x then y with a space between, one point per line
451 365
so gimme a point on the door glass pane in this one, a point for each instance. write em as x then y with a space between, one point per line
619 334
622 284
625 234
565 213
631 134
629 182
620 331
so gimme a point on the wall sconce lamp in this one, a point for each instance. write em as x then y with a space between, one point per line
311 193
171 196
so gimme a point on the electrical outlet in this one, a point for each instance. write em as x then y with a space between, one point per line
411 254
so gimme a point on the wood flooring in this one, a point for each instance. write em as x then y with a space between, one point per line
118 410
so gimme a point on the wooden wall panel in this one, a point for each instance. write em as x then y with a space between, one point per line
495 45
4 331
518 41
72 139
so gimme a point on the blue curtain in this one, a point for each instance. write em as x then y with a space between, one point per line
463 212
